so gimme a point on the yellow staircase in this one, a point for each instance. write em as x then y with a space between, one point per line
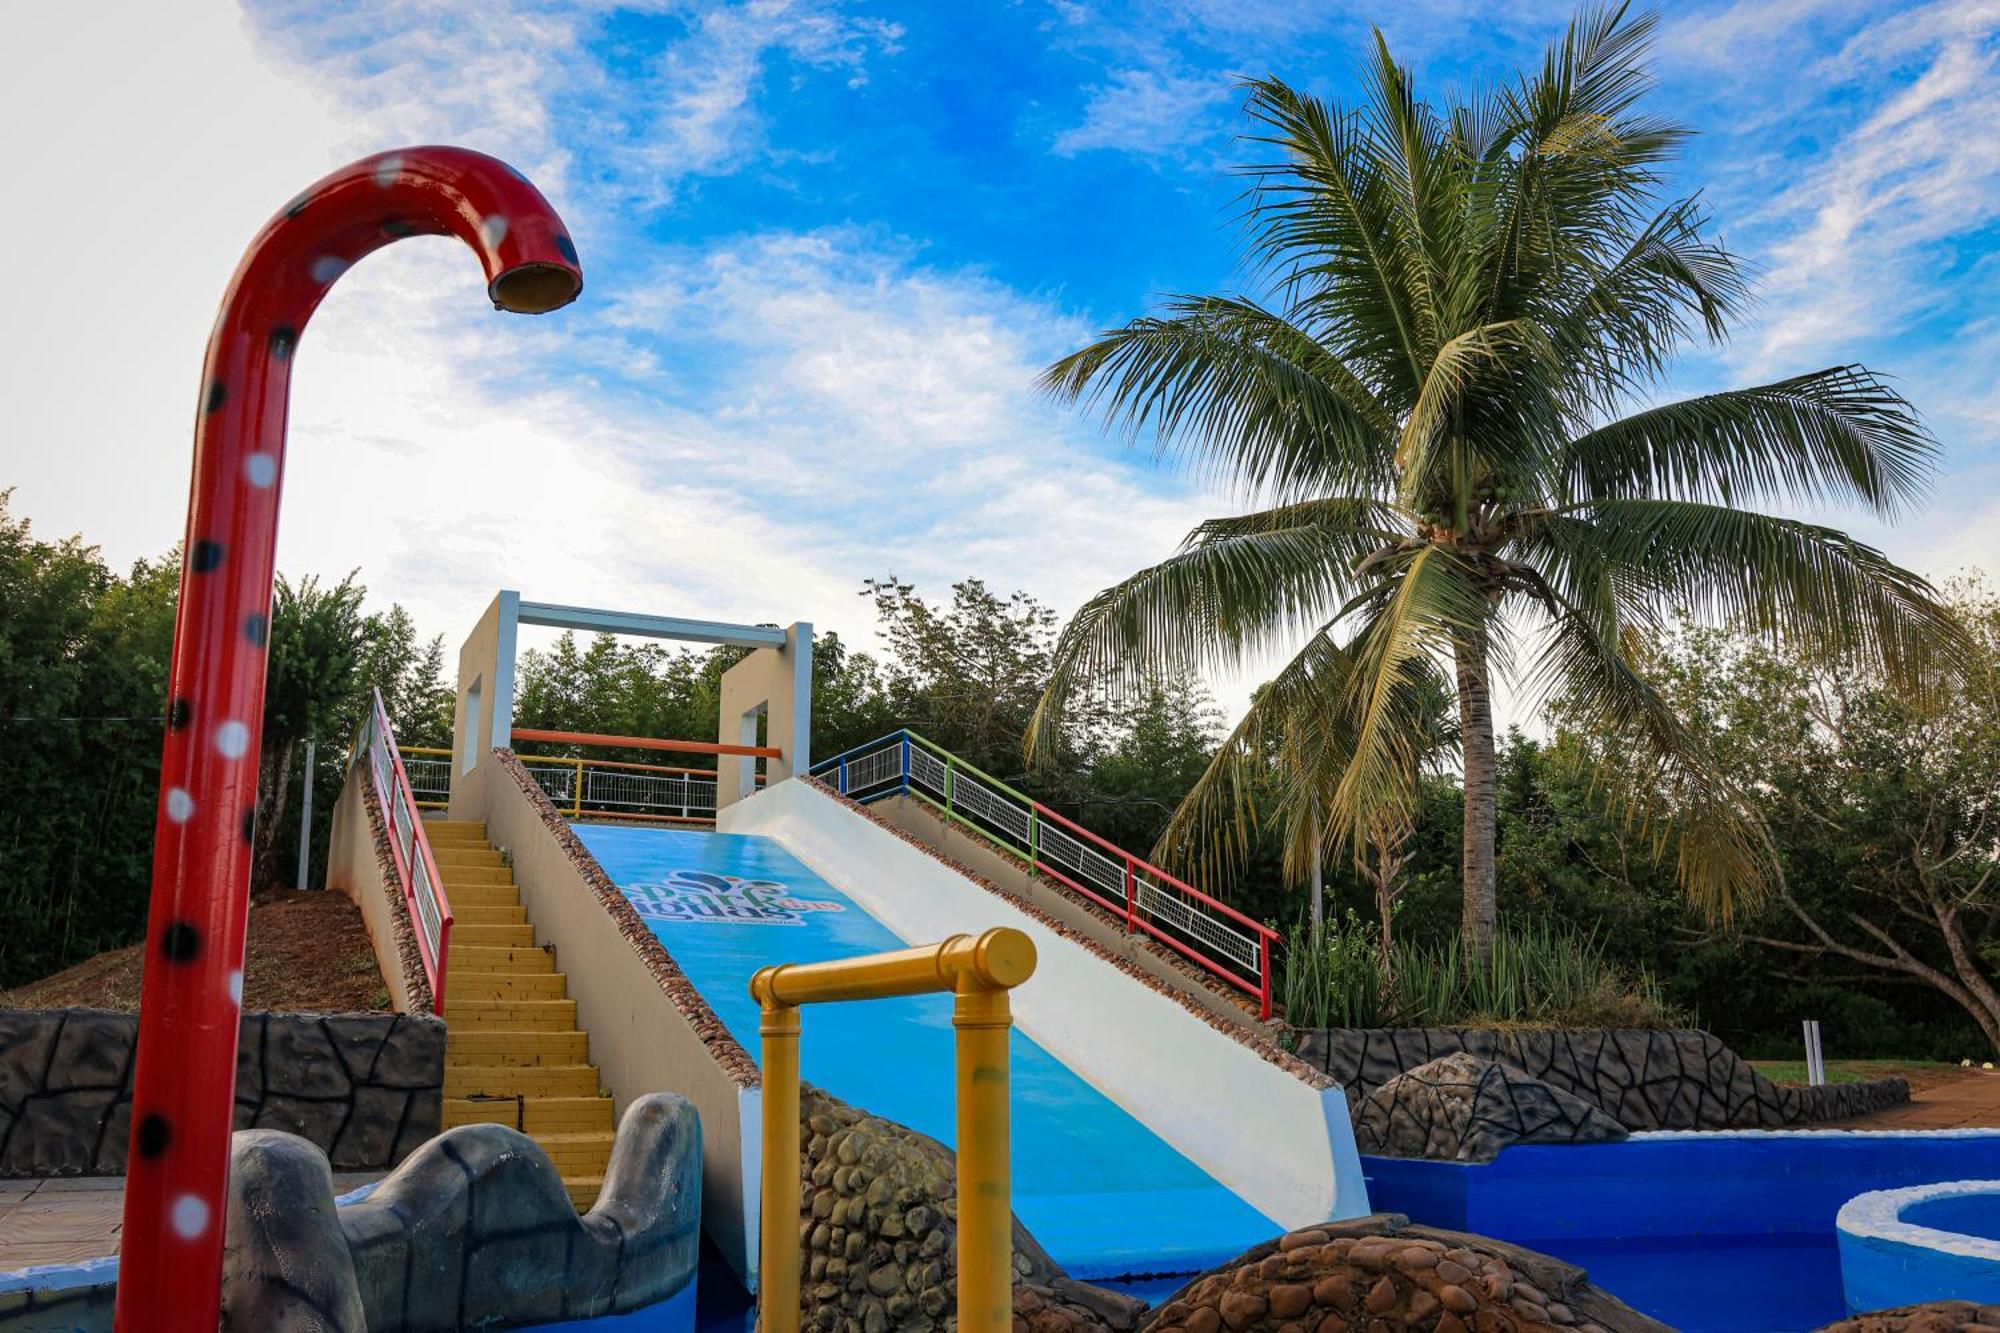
513 1054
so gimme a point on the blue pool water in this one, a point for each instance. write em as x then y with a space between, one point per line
1976 1215
1102 1193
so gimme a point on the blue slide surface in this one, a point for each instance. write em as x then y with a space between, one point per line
1103 1194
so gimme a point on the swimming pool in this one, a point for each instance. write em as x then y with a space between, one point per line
1105 1195
1720 1232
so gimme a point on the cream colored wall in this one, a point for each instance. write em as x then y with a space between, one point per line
983 859
352 869
639 1039
487 661
778 680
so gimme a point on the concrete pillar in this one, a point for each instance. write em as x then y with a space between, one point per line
773 685
485 715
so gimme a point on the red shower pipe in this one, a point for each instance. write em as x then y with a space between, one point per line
183 1099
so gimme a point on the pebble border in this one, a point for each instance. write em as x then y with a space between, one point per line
729 1055
416 982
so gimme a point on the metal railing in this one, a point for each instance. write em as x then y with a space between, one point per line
1236 948
416 870
582 786
429 769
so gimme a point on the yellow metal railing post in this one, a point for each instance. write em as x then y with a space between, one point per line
985 1176
978 972
778 1236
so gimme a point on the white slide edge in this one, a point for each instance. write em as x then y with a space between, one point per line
1282 1145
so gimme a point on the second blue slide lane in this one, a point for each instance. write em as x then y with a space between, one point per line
1103 1194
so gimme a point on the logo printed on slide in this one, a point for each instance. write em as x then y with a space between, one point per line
700 897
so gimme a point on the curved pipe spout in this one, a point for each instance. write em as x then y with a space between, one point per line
183 1099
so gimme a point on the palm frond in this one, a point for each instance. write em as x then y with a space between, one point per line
1322 218
1812 588
1257 398
1435 599
1831 435
1236 587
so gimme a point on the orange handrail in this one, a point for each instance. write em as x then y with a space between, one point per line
645 743
671 770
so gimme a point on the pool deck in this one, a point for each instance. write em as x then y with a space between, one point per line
1969 1101
70 1219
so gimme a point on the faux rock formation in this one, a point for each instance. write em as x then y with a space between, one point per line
1463 1109
1934 1317
367 1088
1642 1078
1378 1273
879 1222
475 1230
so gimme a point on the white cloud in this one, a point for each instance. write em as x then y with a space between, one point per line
510 74
132 203
1733 36
1862 241
1150 111
739 432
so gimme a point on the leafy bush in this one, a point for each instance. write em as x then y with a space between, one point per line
1335 977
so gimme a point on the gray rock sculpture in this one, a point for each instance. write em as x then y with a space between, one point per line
475 1230
1463 1109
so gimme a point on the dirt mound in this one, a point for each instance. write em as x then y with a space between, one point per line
307 952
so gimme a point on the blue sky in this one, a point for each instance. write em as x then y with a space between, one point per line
829 245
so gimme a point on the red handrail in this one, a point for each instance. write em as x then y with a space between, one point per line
184 1087
642 743
434 960
1140 863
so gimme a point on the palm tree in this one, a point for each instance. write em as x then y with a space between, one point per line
1424 407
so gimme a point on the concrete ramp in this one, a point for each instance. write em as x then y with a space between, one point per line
1148 1136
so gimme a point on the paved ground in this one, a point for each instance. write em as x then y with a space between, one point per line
69 1220
1969 1101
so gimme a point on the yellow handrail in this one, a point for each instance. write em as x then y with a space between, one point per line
979 973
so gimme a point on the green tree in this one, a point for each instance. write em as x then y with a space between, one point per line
312 689
851 704
610 688
1460 299
1884 806
1155 752
968 674
83 667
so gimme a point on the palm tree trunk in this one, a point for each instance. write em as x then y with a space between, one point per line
1318 876
1475 724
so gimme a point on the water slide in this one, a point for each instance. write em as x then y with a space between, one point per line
1147 1137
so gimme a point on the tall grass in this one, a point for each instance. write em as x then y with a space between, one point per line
1334 977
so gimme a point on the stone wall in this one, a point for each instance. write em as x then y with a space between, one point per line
878 1217
1643 1079
366 1088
